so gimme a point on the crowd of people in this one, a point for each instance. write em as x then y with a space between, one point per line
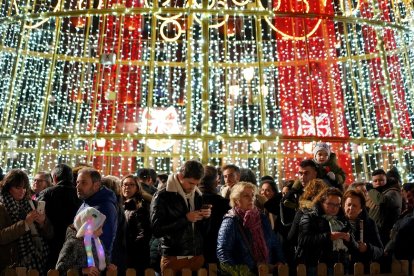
75 218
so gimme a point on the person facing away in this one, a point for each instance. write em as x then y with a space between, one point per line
62 203
178 219
327 164
219 207
83 249
94 194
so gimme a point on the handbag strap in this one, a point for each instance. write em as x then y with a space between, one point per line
245 239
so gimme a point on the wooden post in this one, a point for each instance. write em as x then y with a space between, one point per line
338 269
374 269
283 270
322 269
301 270
202 272
212 269
263 270
53 272
359 269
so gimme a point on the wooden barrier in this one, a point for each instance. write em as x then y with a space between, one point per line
398 268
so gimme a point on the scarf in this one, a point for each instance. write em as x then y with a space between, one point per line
87 240
251 221
32 248
336 226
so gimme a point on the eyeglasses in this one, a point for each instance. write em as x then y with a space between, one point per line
128 185
333 205
38 180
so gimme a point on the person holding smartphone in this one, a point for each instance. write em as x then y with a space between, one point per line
23 230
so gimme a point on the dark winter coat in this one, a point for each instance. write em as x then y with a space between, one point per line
219 208
106 202
178 236
404 241
62 203
138 233
370 237
331 165
314 239
232 248
385 205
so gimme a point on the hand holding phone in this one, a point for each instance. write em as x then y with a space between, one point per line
41 207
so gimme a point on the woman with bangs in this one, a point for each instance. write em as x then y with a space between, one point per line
367 247
323 233
22 229
138 231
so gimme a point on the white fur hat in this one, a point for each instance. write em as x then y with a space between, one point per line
321 146
88 217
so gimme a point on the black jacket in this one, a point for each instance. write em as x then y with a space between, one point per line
178 236
314 239
370 237
138 233
62 203
220 206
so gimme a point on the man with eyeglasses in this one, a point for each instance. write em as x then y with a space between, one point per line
41 181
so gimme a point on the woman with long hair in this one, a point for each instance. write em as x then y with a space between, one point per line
323 232
22 228
138 231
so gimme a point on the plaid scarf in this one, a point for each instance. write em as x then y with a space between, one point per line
336 226
32 249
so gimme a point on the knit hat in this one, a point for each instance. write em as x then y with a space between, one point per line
88 217
321 146
86 222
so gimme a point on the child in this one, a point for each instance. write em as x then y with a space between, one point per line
327 165
83 249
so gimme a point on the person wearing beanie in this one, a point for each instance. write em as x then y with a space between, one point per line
327 165
83 249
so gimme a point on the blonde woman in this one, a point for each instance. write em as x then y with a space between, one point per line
245 237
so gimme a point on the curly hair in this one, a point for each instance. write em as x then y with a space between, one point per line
324 194
314 187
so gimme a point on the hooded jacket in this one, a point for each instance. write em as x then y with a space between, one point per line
106 202
178 236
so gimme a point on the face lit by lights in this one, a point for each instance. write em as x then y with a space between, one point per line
331 205
17 192
231 177
352 207
129 187
39 183
188 184
379 180
267 191
246 200
85 187
307 174
321 157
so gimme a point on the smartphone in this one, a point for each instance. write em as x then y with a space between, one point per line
41 207
206 206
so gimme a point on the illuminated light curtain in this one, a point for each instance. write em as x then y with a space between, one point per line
226 83
310 91
120 93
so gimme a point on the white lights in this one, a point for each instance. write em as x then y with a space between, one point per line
229 94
